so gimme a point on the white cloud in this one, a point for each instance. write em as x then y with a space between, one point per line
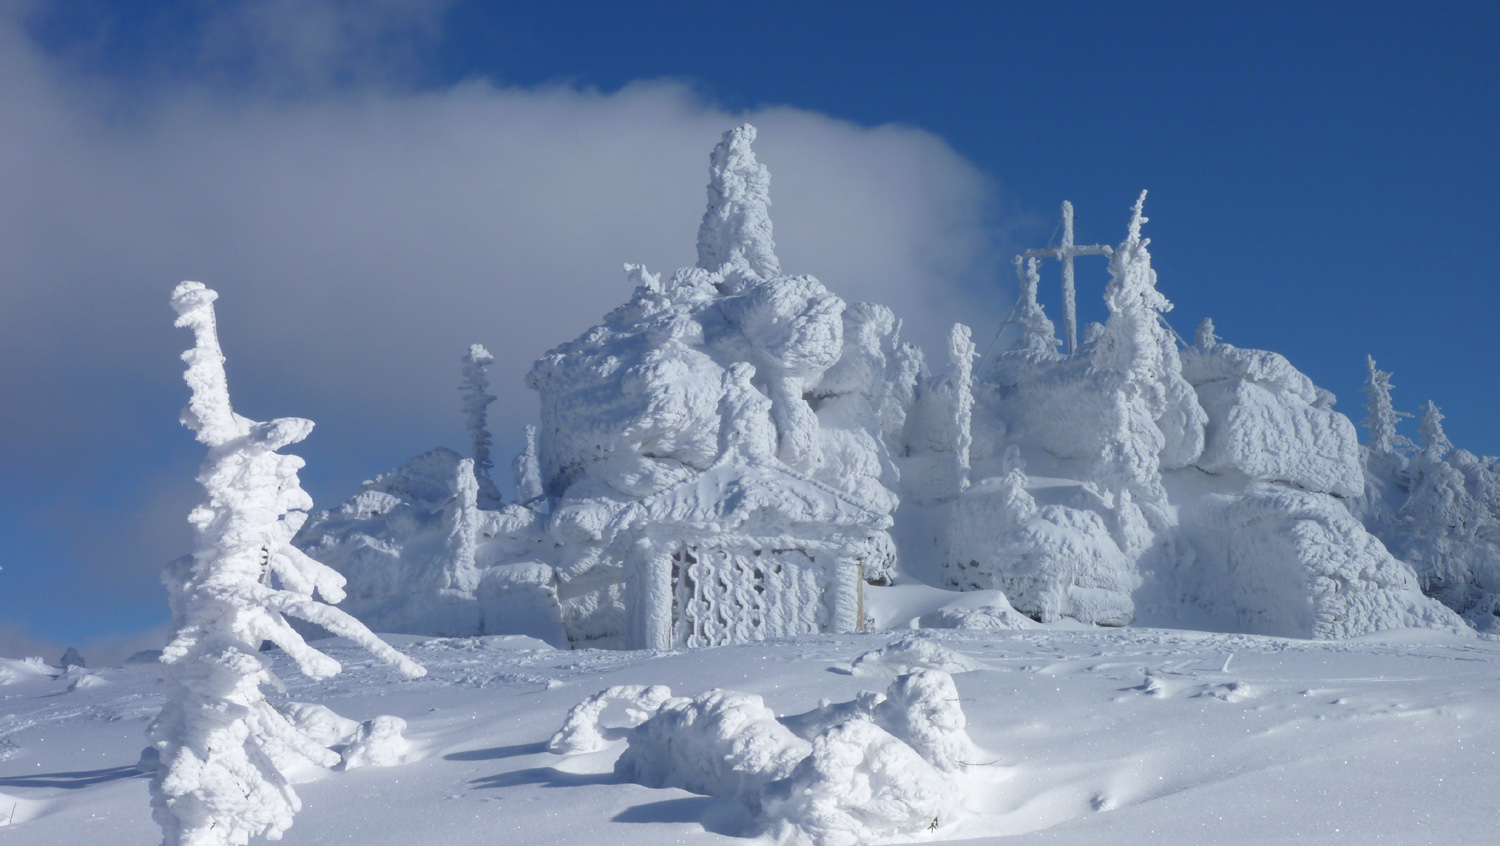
362 237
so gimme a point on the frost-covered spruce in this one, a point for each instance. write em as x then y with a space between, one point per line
1383 417
1154 419
476 400
1038 335
528 472
218 737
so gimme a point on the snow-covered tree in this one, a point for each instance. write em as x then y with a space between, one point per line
1138 354
1383 416
1205 338
218 737
528 472
1435 443
1037 332
736 231
476 400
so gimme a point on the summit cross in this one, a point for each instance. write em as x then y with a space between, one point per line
1065 253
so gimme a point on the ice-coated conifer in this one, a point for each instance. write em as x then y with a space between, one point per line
218 737
1383 416
528 472
1435 443
736 229
476 400
1037 332
1206 338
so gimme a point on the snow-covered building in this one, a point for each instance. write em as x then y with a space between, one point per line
748 549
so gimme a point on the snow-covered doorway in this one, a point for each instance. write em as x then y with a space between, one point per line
734 594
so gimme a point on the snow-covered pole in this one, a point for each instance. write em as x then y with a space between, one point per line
476 400
217 782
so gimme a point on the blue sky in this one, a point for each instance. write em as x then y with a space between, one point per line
374 186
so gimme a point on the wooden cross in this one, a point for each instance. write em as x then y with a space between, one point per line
1065 253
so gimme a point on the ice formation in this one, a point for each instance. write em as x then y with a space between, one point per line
879 766
734 453
217 781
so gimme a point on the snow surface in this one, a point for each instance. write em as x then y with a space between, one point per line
1122 736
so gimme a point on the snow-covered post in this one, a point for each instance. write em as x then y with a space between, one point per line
528 472
1065 252
1383 416
1435 443
217 736
961 355
476 400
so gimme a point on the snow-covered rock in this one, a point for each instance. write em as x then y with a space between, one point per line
1297 564
1268 421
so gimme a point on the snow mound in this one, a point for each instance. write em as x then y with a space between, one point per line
1268 421
912 652
993 616
858 785
13 670
580 730
723 743
377 743
879 766
1297 564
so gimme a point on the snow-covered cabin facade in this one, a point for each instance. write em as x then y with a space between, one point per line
746 550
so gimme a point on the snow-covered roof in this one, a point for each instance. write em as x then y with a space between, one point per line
735 496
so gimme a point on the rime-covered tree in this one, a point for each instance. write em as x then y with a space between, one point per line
218 737
476 401
736 231
528 472
1435 443
1383 417
1206 338
1132 350
1037 332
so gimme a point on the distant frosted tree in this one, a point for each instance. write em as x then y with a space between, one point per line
528 472
1383 417
1435 443
1206 338
218 738
1037 332
476 400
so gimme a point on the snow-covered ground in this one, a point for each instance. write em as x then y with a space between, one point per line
1090 736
